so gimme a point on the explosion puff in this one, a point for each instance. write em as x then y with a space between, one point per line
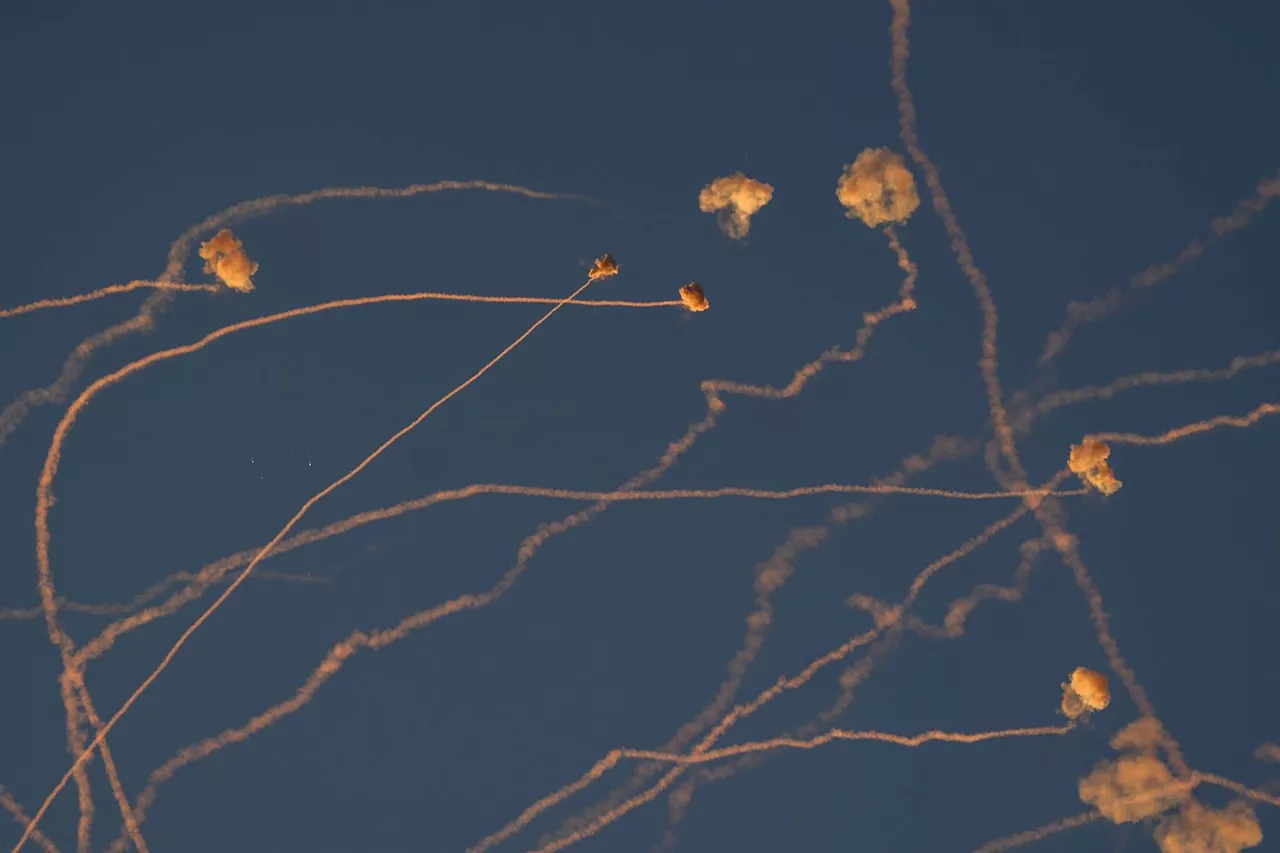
739 197
693 297
1086 691
878 188
1089 462
224 257
604 267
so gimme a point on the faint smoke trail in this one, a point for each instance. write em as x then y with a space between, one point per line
1080 313
1150 378
111 290
988 363
1039 833
42 541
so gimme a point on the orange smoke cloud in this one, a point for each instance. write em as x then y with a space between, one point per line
737 198
1200 829
224 257
878 188
1089 462
693 297
604 267
1086 691
1137 785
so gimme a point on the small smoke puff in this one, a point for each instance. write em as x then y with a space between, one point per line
737 198
1201 829
604 267
1268 752
693 297
1091 687
1089 462
224 257
878 188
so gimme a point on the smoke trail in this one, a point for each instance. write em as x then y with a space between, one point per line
770 575
1080 313
42 540
1039 833
13 807
738 713
180 251
1050 402
215 571
110 290
1190 429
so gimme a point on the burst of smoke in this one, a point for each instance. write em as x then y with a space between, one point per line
693 297
224 257
1197 828
1089 462
878 188
1086 691
1268 752
737 198
1136 785
604 267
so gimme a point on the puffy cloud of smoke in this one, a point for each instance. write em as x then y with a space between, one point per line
1136 785
736 198
224 257
693 297
1086 691
1089 462
604 267
1268 752
1198 828
878 188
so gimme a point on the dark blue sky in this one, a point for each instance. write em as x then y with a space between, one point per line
1079 143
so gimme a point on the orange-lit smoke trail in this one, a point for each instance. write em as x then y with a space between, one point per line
1039 833
120 608
1190 429
49 601
770 576
1057 400
1046 510
110 290
682 760
526 551
55 392
42 537
1244 791
45 493
13 807
1080 313
741 711
214 572
988 363
854 676
829 737
179 253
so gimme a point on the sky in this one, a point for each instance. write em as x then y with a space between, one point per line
1078 144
